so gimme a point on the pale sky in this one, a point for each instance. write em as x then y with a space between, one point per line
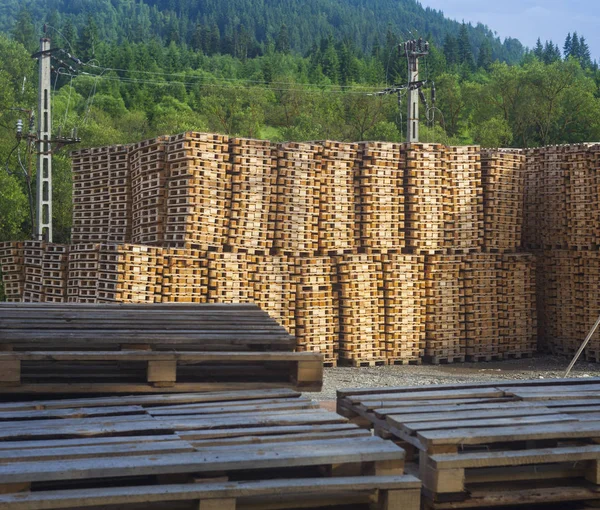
527 20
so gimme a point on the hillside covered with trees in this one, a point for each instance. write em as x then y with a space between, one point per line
285 70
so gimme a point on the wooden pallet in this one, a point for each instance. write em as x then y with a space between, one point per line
248 449
470 440
13 269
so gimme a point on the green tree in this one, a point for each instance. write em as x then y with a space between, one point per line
24 31
484 60
465 52
282 44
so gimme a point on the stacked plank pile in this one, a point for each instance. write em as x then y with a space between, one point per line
428 205
362 327
199 192
518 305
124 349
273 449
337 214
554 219
404 308
119 227
481 274
185 276
82 283
253 181
465 228
470 440
33 252
296 209
229 278
148 170
380 199
91 195
13 270
532 210
274 290
130 273
55 267
443 286
316 310
503 176
590 292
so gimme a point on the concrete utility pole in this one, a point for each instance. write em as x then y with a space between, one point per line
414 50
44 156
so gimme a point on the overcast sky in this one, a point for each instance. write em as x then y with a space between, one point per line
527 20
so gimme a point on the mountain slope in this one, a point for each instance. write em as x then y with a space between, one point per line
364 22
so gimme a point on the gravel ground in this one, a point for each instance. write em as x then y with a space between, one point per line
538 367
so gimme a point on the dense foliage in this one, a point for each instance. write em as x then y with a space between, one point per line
272 70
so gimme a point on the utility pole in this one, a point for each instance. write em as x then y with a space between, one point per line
414 50
43 228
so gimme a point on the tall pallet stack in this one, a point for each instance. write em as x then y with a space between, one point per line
591 305
199 193
337 210
13 270
274 288
82 283
91 195
296 208
517 303
380 199
503 175
404 308
581 167
229 278
316 310
428 203
253 182
480 274
553 217
464 230
532 210
148 170
119 227
130 273
443 331
33 253
185 276
55 267
362 328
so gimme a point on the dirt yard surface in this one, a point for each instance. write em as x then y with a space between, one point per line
539 367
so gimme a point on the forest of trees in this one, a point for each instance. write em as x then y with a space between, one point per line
277 78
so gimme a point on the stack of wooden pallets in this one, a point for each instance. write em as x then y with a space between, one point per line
199 191
503 174
185 276
590 292
337 211
55 266
33 253
119 228
518 306
492 445
580 162
532 210
316 310
253 181
91 195
274 289
130 273
380 199
13 270
428 202
404 308
229 278
362 327
443 328
82 282
553 200
296 207
480 274
271 449
464 230
147 161
124 349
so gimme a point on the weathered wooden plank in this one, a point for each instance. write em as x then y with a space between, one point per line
478 414
71 413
